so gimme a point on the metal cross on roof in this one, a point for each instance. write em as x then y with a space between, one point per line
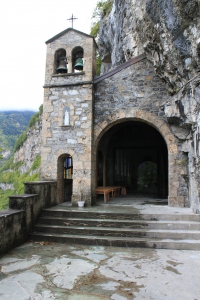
72 19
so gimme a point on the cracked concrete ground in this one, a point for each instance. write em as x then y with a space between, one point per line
71 272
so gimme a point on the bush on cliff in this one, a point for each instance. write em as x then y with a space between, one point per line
10 173
22 138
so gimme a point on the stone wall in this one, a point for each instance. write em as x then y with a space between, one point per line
161 90
68 40
167 31
137 93
74 90
46 191
16 223
12 229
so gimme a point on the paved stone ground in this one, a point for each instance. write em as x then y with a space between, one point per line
130 204
42 271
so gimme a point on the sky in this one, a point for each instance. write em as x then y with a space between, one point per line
25 25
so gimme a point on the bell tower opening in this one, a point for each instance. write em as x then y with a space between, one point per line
60 62
77 59
134 155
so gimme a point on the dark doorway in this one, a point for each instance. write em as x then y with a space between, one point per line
134 154
65 177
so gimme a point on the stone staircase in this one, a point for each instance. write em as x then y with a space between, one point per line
164 231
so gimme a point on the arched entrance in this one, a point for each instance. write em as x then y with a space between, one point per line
65 177
133 154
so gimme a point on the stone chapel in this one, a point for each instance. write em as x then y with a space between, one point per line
108 130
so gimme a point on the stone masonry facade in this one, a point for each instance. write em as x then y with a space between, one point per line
132 93
137 93
75 91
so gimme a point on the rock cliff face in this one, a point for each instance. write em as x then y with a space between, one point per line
6 186
168 32
30 148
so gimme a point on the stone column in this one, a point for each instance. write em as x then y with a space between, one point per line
69 60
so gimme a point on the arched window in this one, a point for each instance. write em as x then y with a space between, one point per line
77 59
66 116
60 61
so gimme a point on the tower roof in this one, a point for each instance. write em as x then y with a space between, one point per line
67 30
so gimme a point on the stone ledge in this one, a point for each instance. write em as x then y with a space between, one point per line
68 84
120 67
39 182
8 212
16 223
23 196
66 126
68 74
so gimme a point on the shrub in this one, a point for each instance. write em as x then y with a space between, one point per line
36 164
102 10
95 29
16 179
35 117
22 138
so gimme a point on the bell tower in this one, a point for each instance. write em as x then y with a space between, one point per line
68 114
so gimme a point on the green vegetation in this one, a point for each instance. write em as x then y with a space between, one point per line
35 117
102 10
10 165
98 65
36 164
1 156
22 138
12 124
95 29
4 198
10 173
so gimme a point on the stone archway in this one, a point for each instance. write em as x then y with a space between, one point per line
138 115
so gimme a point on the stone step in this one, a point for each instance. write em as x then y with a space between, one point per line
117 232
87 214
171 225
117 241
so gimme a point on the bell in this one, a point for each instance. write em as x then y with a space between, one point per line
62 68
79 64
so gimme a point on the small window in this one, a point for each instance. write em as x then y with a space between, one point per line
66 116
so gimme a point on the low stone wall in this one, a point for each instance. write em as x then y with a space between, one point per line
47 191
12 229
17 222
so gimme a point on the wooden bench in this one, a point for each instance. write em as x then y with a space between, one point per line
105 191
115 190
